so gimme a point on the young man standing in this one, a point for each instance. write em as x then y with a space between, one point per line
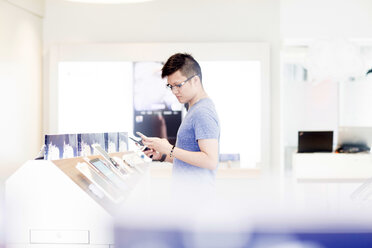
196 153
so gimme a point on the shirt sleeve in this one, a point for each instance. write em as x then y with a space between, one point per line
206 125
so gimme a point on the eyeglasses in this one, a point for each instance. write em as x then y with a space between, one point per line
178 86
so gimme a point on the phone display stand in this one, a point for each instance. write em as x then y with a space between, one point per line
100 184
67 203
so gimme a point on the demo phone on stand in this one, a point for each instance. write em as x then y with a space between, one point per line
108 173
122 168
108 189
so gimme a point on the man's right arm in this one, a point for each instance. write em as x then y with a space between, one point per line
157 156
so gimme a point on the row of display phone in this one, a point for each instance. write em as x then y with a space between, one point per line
109 176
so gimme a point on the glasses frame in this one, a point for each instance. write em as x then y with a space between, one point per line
178 86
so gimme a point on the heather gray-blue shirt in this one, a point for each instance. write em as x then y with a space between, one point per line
200 122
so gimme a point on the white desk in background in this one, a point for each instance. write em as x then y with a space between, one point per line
330 179
332 166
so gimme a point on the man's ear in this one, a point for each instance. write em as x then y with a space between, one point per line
197 80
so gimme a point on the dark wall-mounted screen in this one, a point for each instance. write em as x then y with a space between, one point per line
157 112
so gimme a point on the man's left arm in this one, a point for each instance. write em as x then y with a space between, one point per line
207 157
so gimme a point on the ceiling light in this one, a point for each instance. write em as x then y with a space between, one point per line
109 1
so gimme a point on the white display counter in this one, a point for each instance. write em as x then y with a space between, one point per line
50 203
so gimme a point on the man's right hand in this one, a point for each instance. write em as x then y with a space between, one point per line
154 155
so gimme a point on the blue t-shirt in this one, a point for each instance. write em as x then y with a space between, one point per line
200 122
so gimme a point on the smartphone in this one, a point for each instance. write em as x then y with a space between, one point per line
122 169
112 192
108 173
140 143
105 155
133 160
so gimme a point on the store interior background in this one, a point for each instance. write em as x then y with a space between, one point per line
31 31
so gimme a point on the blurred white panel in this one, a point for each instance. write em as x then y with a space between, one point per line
235 88
356 103
95 97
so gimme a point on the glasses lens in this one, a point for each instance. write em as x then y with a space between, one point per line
169 86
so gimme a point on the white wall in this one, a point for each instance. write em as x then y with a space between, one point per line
21 85
309 107
35 7
356 103
330 18
172 21
162 21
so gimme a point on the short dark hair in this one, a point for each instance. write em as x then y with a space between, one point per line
184 62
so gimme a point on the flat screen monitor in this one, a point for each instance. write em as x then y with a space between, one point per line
157 112
315 141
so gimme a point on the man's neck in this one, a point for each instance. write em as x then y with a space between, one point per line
197 98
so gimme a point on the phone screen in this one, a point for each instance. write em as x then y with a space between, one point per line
107 172
95 178
103 168
105 155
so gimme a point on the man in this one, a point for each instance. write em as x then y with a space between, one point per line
196 152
